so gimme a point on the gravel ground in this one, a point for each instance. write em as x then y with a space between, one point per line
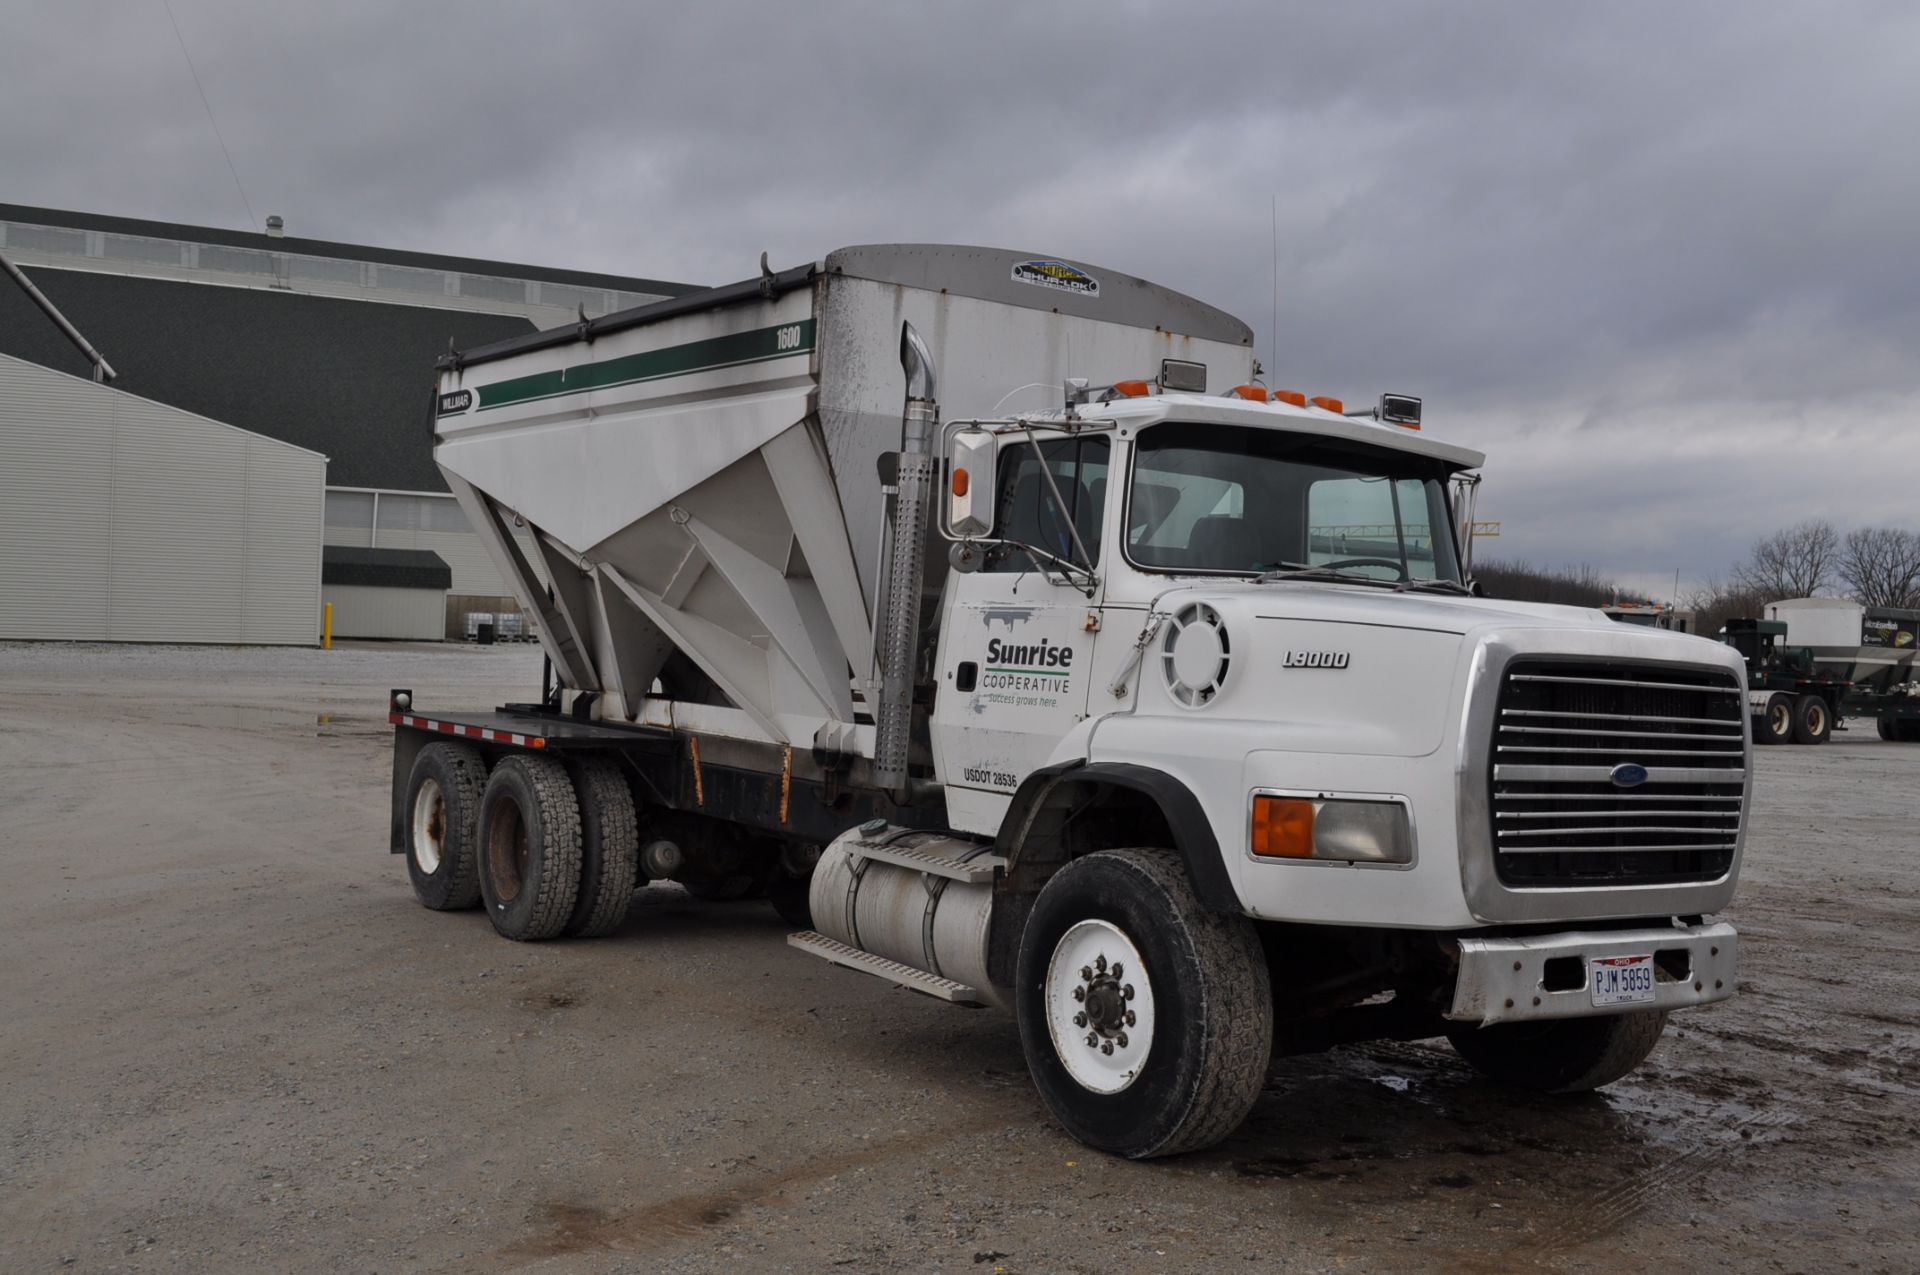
232 1041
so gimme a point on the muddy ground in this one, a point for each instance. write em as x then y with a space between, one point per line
230 1040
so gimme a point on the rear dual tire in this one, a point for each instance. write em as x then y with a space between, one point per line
443 803
609 848
1812 720
1774 724
530 848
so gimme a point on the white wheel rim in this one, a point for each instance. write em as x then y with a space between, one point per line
1112 1010
429 825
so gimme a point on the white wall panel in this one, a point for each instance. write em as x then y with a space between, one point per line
366 611
126 520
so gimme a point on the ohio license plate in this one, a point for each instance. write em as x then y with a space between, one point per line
1621 980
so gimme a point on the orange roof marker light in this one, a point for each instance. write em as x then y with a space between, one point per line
1333 405
1294 397
1133 389
1255 393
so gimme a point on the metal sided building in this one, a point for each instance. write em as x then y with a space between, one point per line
325 346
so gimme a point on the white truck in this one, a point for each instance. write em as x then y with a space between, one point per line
983 612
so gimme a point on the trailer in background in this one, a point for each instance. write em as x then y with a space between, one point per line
1802 694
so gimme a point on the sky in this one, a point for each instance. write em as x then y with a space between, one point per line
1660 262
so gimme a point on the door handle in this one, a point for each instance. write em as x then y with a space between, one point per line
966 676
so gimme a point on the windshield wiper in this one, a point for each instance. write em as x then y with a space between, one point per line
1300 571
1442 586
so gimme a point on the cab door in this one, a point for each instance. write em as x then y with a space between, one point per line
1017 637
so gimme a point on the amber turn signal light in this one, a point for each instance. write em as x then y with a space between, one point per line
1283 827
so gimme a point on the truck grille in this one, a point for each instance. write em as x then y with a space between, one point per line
1559 817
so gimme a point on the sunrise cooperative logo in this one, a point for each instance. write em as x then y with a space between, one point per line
1018 666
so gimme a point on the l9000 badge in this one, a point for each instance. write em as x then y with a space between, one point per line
1315 659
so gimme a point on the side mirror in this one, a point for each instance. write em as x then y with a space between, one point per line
971 454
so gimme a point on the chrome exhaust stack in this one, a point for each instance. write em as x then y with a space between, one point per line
899 620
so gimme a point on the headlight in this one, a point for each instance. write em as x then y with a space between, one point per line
1341 829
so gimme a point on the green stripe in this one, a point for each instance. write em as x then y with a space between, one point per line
1029 672
782 341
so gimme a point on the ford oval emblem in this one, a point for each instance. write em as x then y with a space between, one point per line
1628 775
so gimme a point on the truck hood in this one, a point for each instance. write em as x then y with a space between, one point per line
1364 604
1337 669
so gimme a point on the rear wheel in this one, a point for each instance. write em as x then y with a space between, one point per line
1812 720
1774 725
1889 728
1570 1055
1146 1020
609 848
529 848
443 826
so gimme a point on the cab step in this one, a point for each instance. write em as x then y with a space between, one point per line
979 870
853 958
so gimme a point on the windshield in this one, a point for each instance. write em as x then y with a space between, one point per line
1234 499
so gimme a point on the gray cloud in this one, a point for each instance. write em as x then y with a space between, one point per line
1657 260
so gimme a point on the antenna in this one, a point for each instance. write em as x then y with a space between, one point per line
1273 333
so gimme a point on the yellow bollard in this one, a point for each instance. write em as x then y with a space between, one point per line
326 626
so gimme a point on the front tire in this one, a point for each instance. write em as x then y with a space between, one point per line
1812 720
529 848
443 826
1570 1055
1774 725
1174 998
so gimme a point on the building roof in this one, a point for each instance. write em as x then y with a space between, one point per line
328 248
384 568
351 379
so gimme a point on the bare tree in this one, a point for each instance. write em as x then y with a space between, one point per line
1794 563
1881 566
1579 586
1716 601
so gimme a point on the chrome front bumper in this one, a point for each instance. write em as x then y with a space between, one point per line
1506 980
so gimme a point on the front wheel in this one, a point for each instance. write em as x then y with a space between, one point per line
1569 1055
1146 1020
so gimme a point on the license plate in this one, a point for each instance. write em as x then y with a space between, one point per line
1621 980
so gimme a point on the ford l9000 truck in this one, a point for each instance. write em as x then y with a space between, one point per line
987 615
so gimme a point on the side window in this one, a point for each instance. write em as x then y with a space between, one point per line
1025 509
